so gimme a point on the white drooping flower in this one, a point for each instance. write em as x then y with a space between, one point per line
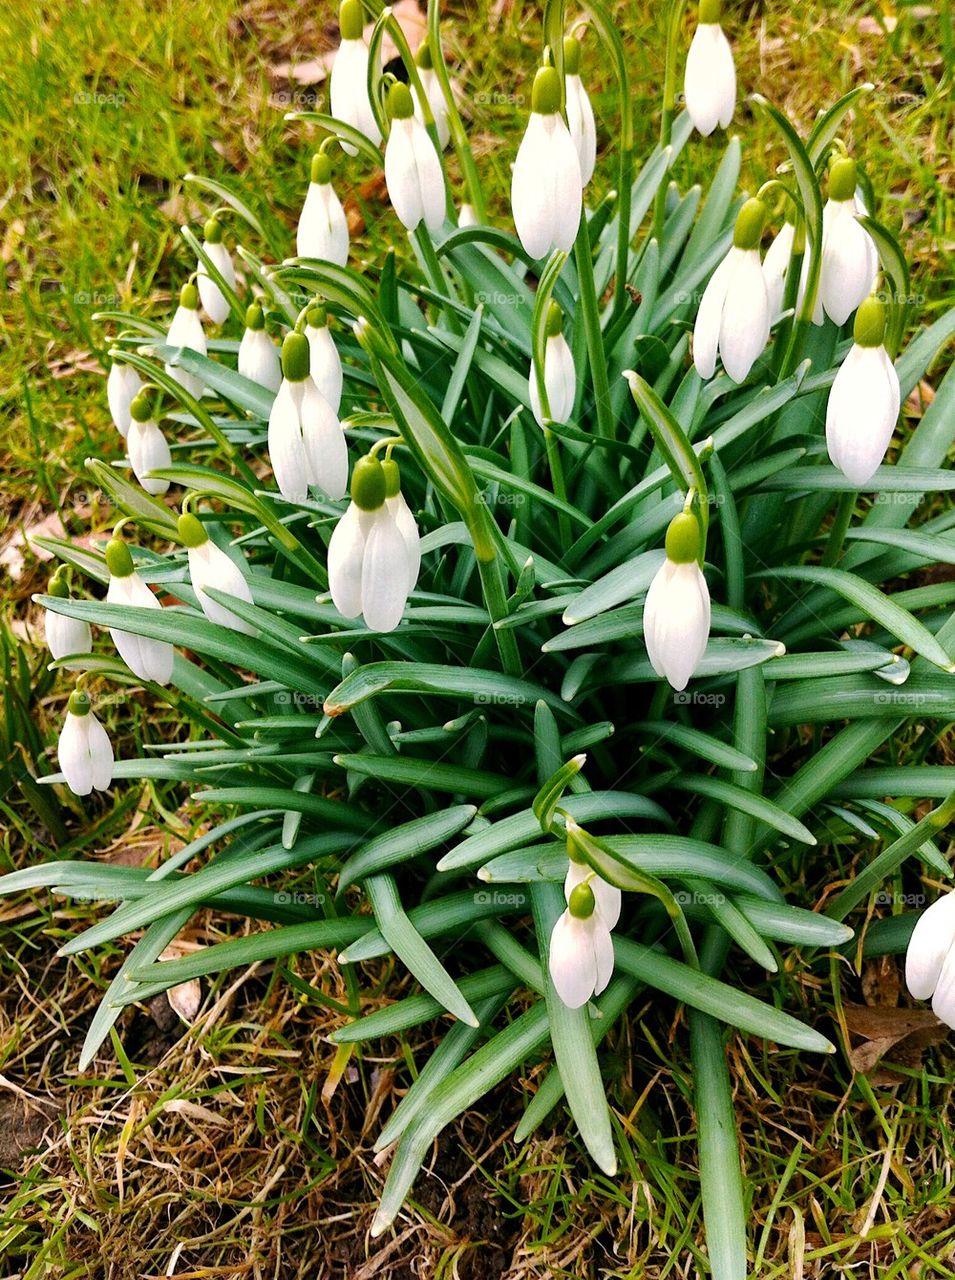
580 957
580 114
146 658
146 445
864 399
709 86
776 268
306 441
676 615
84 750
849 258
258 355
734 316
322 225
546 185
374 552
123 385
413 172
325 364
186 331
209 566
930 959
349 78
560 378
64 636
433 93
214 301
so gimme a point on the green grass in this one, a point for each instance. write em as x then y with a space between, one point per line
105 108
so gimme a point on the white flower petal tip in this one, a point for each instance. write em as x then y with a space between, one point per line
210 567
676 621
66 636
546 184
147 658
710 82
930 959
123 385
84 751
148 451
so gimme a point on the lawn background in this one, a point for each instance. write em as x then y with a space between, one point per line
246 1143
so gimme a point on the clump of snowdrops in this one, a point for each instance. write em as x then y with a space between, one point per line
492 580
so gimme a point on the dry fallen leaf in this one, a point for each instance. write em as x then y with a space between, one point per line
881 1029
12 556
185 998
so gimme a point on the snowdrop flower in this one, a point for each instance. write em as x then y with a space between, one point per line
580 114
84 750
676 615
258 355
734 315
930 958
413 172
322 225
349 78
325 363
709 86
776 268
64 636
467 217
146 445
433 92
147 659
580 957
186 331
122 387
849 257
306 442
864 399
373 555
546 186
214 301
209 566
560 379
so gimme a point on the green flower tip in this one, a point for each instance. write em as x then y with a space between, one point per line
571 56
683 539
79 703
189 297
709 11
316 317
842 179
545 95
254 317
581 902
869 327
141 410
321 171
57 585
118 560
295 357
191 532
368 484
750 222
423 57
400 102
555 320
213 231
392 478
351 20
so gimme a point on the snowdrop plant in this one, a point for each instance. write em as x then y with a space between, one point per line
864 400
186 331
472 632
147 658
214 301
84 751
146 445
258 356
123 385
322 225
709 86
412 166
64 636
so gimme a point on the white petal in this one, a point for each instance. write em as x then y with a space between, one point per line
676 621
467 217
607 896
346 550
210 566
566 187
583 130
325 365
148 451
65 636
100 754
530 190
259 359
439 108
212 298
349 91
603 953
384 574
931 941
775 267
430 178
706 331
322 227
325 449
85 754
943 1000
849 262
560 377
147 658
122 387
572 960
861 413
746 318
286 445
710 82
401 174
408 528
